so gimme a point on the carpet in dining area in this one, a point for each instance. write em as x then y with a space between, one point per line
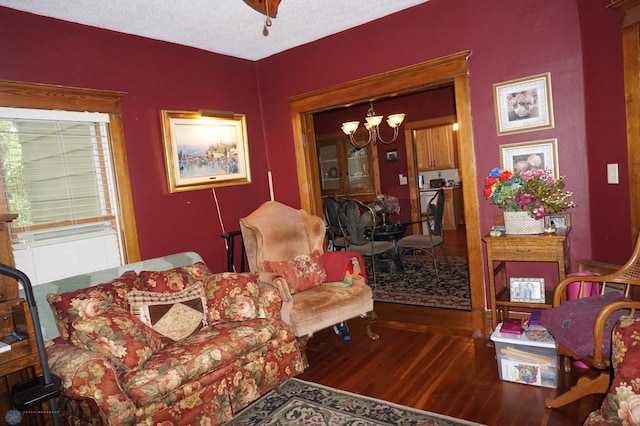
419 285
299 402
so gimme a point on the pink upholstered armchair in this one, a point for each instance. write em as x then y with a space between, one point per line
286 246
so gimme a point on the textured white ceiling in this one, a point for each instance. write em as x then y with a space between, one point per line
229 27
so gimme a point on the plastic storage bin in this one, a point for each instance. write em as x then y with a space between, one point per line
526 361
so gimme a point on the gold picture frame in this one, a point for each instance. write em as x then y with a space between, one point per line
205 151
524 105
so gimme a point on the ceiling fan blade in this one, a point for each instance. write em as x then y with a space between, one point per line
261 6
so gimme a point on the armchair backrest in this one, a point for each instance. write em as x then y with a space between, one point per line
277 232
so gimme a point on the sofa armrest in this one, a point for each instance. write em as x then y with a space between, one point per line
88 375
278 282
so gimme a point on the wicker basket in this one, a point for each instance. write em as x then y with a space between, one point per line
521 223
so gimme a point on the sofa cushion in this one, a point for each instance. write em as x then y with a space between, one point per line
302 272
175 315
208 350
232 296
620 406
119 336
175 279
84 303
571 323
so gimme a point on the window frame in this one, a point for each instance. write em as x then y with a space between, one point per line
43 96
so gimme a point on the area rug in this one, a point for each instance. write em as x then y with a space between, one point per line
419 285
306 403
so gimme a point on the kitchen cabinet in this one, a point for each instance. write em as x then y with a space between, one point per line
435 148
453 209
344 169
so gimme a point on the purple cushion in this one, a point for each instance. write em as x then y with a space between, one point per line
571 323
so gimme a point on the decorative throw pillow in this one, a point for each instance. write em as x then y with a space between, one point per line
84 303
342 267
232 296
118 335
572 322
302 273
175 315
175 279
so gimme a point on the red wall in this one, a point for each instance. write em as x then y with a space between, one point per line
577 41
156 76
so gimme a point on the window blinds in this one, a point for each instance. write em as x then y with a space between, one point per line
56 174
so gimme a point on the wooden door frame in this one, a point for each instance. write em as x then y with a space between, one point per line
450 70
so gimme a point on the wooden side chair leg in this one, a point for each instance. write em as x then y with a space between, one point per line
371 319
302 342
584 387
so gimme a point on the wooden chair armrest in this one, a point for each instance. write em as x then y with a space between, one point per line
598 326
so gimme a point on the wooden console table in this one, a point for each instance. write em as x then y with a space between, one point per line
523 248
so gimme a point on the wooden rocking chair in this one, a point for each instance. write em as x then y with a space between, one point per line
619 295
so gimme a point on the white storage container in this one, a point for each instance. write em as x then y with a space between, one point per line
527 361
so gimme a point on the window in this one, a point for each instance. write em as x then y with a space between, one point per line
58 173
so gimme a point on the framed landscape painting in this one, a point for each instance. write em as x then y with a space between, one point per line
204 151
524 104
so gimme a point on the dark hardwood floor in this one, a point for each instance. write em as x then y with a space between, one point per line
425 358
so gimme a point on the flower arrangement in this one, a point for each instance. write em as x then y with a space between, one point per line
385 204
535 191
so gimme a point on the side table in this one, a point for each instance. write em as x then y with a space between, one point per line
523 248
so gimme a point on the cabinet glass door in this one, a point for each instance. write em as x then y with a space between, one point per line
329 167
358 169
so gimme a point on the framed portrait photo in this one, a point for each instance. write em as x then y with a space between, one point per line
204 151
527 290
520 157
524 104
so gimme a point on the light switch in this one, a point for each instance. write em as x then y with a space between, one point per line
612 173
403 179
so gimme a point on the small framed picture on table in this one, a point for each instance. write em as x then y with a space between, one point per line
527 290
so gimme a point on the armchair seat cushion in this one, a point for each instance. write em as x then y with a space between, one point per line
327 305
571 323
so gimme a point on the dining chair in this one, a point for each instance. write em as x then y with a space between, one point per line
358 222
432 236
330 207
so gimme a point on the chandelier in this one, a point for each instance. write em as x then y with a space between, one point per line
372 125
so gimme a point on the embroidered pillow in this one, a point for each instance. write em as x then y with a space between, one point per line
118 335
84 303
302 273
175 279
174 315
342 267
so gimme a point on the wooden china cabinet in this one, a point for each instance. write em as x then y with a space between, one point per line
345 170
22 361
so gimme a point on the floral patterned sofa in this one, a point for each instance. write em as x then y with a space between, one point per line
621 406
173 347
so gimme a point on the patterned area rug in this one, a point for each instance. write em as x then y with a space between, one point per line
305 403
419 285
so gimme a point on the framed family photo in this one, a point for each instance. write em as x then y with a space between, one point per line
520 157
392 155
204 151
524 104
527 290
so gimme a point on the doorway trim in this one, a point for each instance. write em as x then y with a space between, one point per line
445 71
